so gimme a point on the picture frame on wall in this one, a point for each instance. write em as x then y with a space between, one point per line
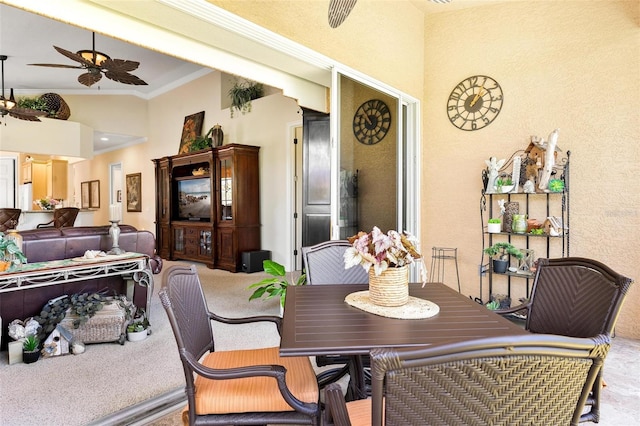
134 192
94 194
191 128
84 195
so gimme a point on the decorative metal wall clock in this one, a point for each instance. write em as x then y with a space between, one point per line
474 103
371 122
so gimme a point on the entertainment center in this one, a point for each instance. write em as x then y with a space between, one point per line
208 205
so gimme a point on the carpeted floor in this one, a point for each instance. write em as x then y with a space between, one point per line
79 389
85 389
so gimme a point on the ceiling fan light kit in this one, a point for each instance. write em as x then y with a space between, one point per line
93 56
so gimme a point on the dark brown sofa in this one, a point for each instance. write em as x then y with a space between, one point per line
40 245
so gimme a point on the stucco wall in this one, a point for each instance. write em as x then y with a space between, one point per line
571 65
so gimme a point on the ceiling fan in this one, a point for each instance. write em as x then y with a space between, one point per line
96 63
340 9
10 106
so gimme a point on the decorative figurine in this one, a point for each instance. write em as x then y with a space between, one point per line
549 160
494 167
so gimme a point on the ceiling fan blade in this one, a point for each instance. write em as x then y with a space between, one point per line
89 78
125 77
26 114
120 65
59 66
74 57
339 10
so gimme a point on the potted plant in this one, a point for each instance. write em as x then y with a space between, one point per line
504 185
386 258
138 329
10 253
275 286
494 226
202 142
242 93
500 253
30 349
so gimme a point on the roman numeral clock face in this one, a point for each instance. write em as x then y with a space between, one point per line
371 122
474 103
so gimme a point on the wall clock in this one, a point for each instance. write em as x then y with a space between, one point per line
371 122
474 103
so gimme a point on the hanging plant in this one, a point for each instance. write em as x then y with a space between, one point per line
242 93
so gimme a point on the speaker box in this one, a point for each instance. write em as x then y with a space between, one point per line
252 260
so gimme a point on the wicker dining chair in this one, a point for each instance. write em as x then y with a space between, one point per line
232 387
324 264
508 380
9 218
62 218
576 297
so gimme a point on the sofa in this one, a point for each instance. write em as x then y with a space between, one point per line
45 244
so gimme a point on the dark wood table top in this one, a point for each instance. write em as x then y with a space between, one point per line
317 321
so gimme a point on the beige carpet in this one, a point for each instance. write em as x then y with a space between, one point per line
80 389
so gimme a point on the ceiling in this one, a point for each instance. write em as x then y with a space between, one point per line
160 71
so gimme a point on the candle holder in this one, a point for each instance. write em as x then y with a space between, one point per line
114 231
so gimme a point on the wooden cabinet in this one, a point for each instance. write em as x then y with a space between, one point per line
208 205
48 178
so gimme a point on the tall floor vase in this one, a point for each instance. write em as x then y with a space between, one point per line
390 288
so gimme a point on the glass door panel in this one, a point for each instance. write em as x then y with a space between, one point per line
226 182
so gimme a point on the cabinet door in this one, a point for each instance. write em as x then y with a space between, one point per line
226 249
26 172
225 192
178 241
57 179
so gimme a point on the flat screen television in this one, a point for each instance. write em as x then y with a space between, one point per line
194 199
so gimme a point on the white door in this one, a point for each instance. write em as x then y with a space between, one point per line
8 180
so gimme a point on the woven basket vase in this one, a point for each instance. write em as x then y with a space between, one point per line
390 288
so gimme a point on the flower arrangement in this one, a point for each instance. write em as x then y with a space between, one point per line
47 203
382 251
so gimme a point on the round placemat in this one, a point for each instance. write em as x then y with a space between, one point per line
415 308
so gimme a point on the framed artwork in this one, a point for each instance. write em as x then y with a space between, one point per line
191 128
94 194
84 195
134 192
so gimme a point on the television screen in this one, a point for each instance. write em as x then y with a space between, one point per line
194 199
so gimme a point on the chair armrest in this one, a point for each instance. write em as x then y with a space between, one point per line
44 225
513 310
335 407
247 320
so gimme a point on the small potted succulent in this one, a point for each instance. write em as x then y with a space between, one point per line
500 253
138 329
30 349
494 226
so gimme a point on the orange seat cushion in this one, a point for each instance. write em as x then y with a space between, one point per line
360 412
253 393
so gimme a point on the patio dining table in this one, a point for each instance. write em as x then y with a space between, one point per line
318 321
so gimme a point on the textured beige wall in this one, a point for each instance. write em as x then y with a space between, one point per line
572 65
